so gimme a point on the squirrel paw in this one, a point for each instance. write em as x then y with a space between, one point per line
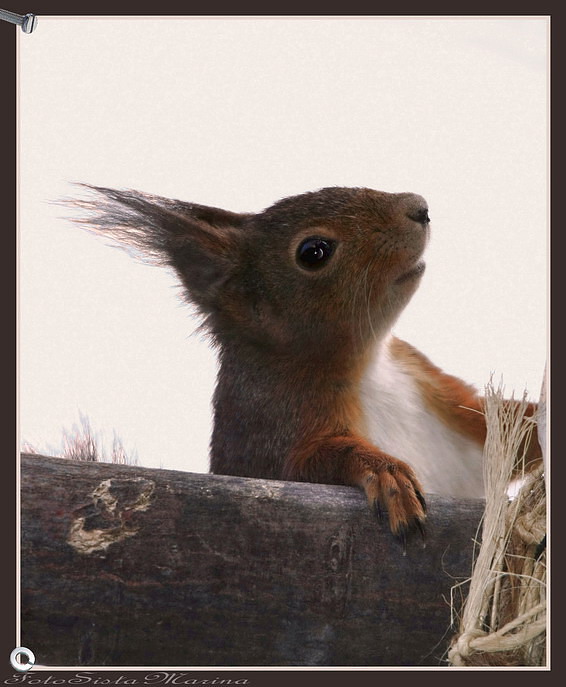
393 486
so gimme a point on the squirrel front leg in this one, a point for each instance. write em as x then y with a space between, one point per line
388 482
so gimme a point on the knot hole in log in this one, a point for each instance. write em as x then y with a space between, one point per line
109 517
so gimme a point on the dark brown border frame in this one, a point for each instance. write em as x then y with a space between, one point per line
8 273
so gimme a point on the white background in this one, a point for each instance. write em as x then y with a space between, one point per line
237 113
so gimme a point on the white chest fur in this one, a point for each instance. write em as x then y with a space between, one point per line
399 423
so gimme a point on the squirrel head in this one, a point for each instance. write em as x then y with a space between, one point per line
316 271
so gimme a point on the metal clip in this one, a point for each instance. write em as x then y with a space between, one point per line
28 22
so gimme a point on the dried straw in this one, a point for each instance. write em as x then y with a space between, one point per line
503 622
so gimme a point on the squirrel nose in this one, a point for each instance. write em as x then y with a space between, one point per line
420 215
415 207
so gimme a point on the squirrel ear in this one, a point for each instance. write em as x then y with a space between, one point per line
202 244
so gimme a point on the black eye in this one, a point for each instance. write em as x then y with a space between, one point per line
314 253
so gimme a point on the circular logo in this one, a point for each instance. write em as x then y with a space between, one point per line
16 659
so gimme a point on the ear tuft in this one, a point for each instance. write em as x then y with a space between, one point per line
201 243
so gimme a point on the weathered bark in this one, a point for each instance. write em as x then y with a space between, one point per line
127 566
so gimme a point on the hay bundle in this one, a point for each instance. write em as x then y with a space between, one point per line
503 622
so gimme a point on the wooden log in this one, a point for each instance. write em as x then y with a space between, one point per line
128 566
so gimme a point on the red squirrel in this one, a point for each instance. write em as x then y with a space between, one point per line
299 301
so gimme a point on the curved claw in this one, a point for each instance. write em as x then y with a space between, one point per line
422 530
421 499
404 532
402 537
378 510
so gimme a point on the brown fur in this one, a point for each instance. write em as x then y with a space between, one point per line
456 403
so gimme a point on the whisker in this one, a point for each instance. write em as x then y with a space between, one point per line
368 305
